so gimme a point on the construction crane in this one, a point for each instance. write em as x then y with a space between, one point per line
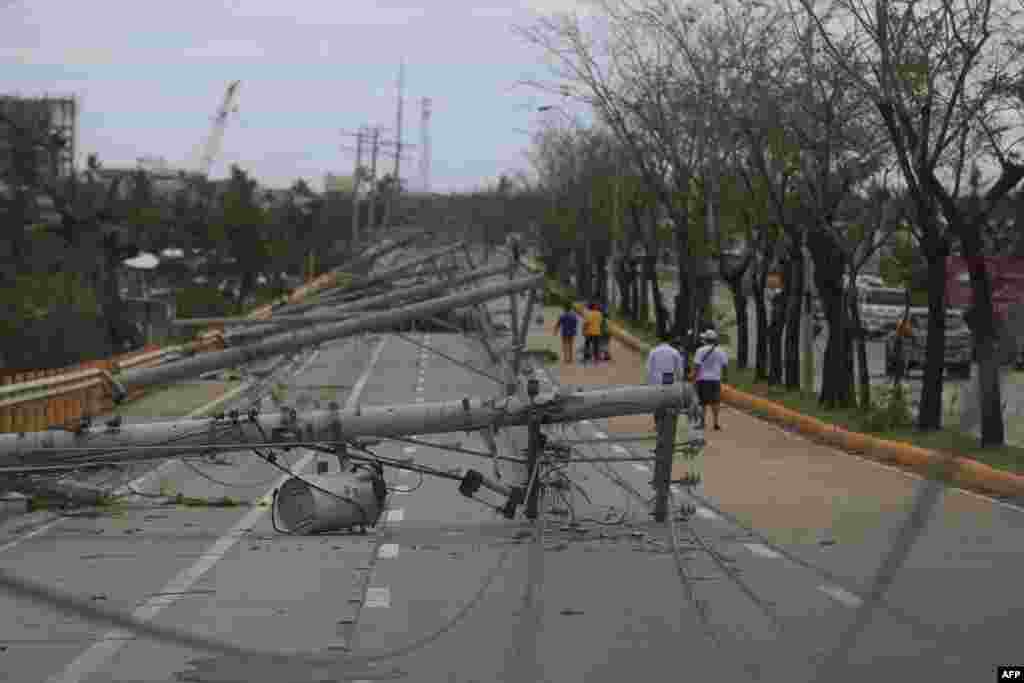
220 122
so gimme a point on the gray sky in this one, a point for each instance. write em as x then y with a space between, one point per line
150 76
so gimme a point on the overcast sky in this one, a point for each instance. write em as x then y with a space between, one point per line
150 76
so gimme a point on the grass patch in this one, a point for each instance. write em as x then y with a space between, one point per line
1009 458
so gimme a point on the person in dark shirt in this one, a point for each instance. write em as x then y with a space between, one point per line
567 324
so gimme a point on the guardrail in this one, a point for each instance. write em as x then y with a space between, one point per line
36 400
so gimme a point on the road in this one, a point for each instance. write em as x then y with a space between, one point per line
455 593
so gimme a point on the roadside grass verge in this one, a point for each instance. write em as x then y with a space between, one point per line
950 440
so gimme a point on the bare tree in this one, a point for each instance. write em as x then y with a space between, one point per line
940 74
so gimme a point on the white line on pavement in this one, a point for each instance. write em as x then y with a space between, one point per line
601 435
35 532
761 550
93 658
396 515
388 551
409 449
641 468
841 595
420 399
619 449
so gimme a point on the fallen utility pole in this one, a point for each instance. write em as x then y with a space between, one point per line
345 311
293 340
290 426
397 273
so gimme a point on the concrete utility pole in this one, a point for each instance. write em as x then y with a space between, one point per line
372 220
348 310
355 187
295 340
397 187
171 439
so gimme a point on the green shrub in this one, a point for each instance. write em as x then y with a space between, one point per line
889 410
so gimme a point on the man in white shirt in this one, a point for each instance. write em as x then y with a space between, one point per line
710 362
662 359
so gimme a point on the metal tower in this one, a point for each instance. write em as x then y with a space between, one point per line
425 149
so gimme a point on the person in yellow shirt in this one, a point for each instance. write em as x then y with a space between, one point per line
591 333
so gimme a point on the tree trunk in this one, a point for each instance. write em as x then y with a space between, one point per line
929 417
622 276
582 274
761 338
983 323
775 329
862 358
795 306
601 274
651 277
993 432
739 304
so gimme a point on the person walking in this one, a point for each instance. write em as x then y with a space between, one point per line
710 363
567 324
664 359
591 333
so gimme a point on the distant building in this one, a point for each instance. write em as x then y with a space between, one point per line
53 116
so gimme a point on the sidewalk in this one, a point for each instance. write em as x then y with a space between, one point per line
792 490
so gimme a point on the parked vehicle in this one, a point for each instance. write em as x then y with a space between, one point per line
881 309
959 346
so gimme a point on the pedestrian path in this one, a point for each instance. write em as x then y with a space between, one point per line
791 489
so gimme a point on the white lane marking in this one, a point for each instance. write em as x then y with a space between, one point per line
707 514
619 449
600 435
761 550
378 597
409 450
93 658
420 399
396 515
841 595
641 468
419 388
32 534
388 551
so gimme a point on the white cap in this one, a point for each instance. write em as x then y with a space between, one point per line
709 335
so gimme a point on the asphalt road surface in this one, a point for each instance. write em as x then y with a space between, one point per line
445 590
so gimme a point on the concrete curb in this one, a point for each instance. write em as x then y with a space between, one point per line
967 473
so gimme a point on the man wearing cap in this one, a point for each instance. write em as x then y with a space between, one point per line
710 361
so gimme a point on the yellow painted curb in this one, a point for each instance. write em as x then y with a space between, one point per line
967 473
